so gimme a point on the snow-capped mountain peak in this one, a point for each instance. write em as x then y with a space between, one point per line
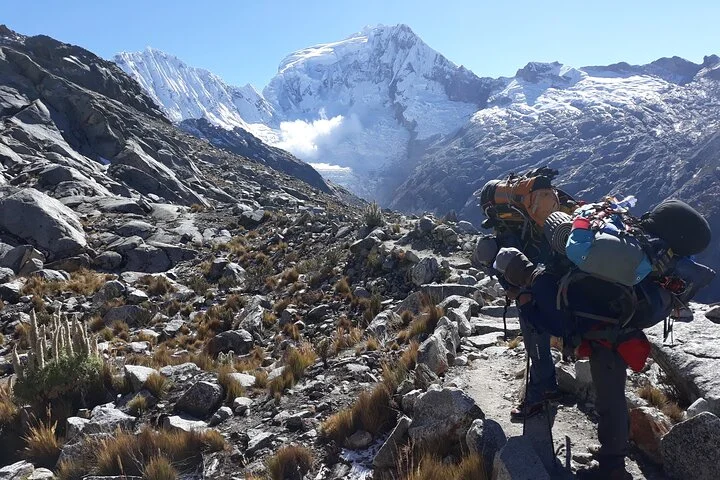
190 92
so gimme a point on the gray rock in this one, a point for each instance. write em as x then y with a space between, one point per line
699 406
449 333
222 414
22 259
184 423
17 471
172 328
467 227
518 461
440 415
260 441
6 274
244 379
147 258
359 440
424 376
41 221
425 271
180 373
74 427
241 405
136 296
713 314
446 235
432 352
365 246
42 474
239 341
133 315
51 275
440 292
138 375
426 224
387 455
691 363
408 400
201 399
691 449
318 313
106 419
10 292
382 322
485 437
111 290
136 228
108 260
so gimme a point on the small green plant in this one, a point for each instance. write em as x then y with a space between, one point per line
373 216
62 363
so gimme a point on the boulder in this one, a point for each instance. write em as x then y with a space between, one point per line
691 449
108 260
359 440
201 399
42 221
698 406
386 457
10 292
222 414
426 224
147 258
17 471
74 426
138 228
441 415
439 292
239 341
382 322
260 441
518 461
138 375
486 437
111 290
432 352
22 259
425 271
424 376
241 405
691 363
133 315
243 379
647 427
107 418
184 423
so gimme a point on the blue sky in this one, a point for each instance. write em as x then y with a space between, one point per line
243 41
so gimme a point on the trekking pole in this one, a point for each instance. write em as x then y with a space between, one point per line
505 309
548 412
527 386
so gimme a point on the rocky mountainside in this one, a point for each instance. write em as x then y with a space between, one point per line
171 309
242 142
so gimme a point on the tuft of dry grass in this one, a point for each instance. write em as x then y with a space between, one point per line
159 468
137 405
372 344
514 343
8 408
432 467
674 412
406 316
127 453
342 287
231 387
281 305
269 319
371 412
291 331
653 395
157 285
290 461
157 385
408 359
290 276
296 361
42 446
121 329
345 338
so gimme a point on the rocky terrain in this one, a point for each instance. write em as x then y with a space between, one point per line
171 309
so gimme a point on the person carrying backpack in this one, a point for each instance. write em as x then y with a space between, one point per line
602 304
515 209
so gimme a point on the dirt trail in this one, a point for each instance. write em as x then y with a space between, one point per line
494 385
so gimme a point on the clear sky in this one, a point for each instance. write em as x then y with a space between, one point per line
243 41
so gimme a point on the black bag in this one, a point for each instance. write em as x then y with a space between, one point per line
679 225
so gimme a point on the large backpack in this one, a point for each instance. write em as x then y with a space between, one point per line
618 261
522 202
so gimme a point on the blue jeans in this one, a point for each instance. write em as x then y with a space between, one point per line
542 367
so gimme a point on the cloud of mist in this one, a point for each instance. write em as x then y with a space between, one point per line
316 139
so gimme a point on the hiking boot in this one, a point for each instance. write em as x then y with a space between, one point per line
522 411
600 473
